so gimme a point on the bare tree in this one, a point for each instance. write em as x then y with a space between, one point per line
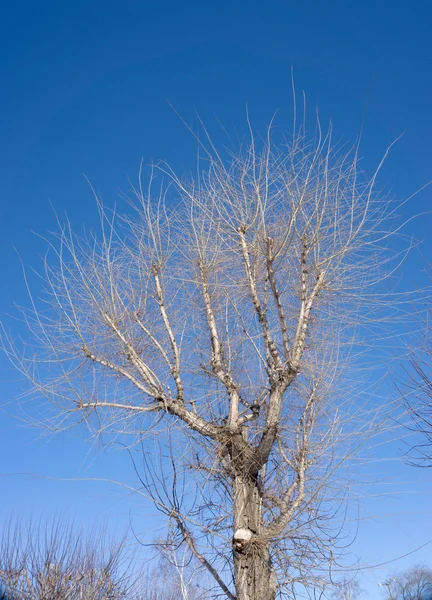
174 577
413 584
57 562
347 589
221 316
417 394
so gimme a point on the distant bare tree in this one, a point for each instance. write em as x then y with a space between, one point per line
57 562
347 589
173 577
221 316
413 584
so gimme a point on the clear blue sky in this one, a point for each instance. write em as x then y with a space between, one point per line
85 88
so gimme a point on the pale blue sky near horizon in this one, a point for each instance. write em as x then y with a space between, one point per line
87 88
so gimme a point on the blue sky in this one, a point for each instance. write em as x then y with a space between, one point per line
86 89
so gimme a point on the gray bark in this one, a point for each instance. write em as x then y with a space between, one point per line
254 574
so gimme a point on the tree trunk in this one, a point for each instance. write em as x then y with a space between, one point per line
254 574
